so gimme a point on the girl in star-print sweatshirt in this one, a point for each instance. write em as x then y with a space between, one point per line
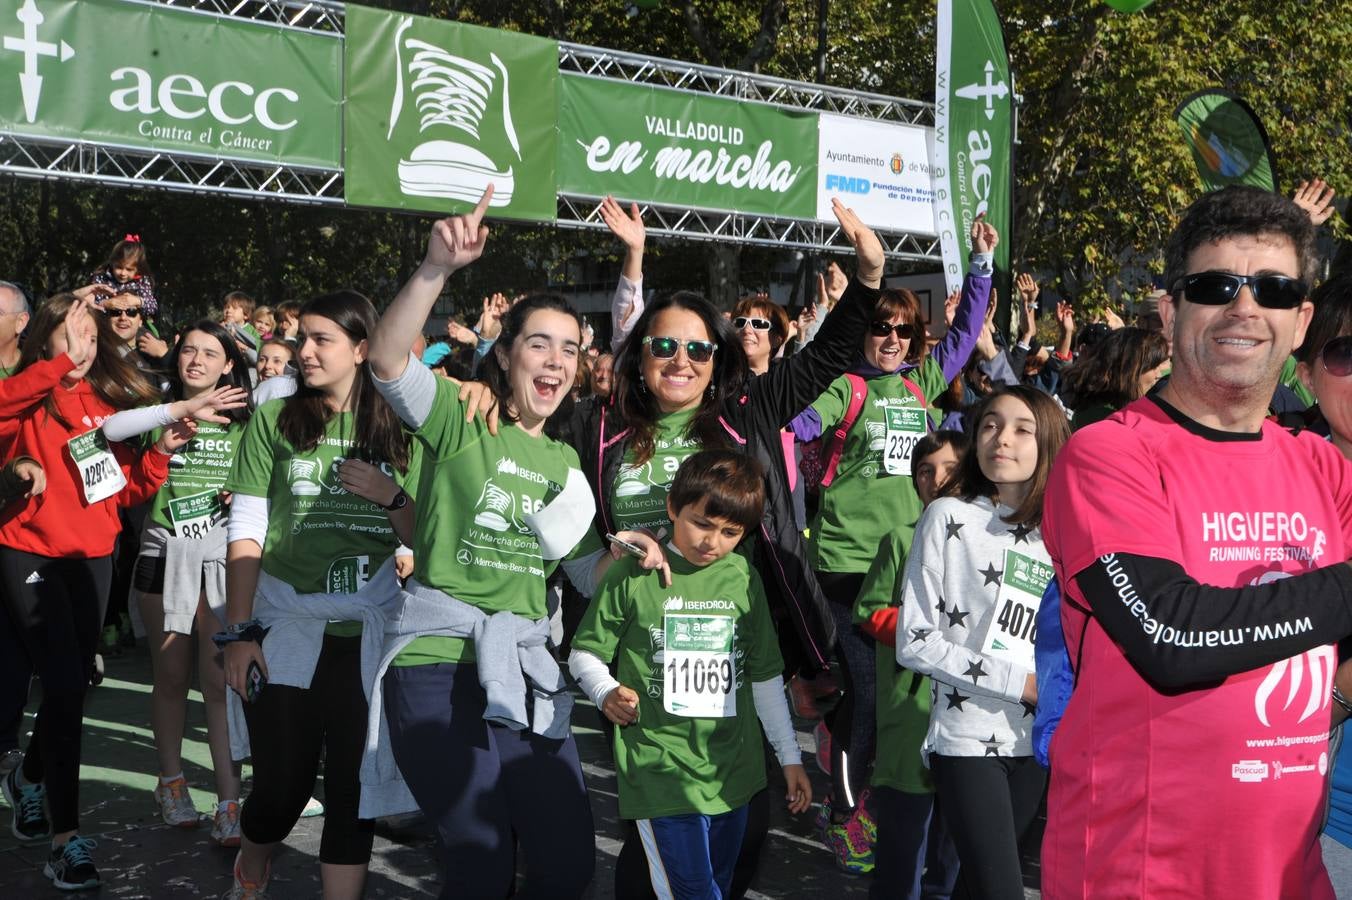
970 592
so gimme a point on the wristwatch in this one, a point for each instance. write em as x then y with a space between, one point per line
399 502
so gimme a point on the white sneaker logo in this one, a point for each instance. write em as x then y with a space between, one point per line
452 94
30 82
34 578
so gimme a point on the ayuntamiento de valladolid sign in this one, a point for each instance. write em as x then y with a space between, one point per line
422 114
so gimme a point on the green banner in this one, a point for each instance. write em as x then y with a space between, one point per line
436 111
974 93
1228 142
659 145
155 77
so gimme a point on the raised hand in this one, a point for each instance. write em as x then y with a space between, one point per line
175 435
1316 198
457 241
152 346
81 333
1027 288
208 407
984 236
627 226
868 250
951 307
1065 316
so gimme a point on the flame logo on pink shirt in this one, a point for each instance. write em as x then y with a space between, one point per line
1320 662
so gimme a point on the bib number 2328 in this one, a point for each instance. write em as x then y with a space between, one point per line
700 672
100 475
905 428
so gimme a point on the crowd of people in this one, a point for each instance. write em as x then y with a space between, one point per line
1101 581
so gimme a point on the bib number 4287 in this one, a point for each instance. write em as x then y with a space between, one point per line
100 475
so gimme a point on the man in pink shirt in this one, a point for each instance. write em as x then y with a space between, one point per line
1201 551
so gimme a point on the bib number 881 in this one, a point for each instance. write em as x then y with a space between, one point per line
700 676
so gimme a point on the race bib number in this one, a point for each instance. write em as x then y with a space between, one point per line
100 475
700 679
1013 628
905 428
194 516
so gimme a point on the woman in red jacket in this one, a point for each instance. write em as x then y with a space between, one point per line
55 560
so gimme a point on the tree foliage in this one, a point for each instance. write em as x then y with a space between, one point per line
1101 168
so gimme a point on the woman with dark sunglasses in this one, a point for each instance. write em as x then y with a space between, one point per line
682 384
869 495
1324 365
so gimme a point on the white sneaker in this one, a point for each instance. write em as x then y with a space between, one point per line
176 807
225 827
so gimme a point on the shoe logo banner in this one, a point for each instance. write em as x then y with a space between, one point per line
438 110
172 80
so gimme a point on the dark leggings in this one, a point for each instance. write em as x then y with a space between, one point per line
485 787
853 723
988 802
53 610
289 729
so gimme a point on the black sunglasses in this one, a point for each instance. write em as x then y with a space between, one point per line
1337 356
1220 288
883 329
757 324
113 312
666 347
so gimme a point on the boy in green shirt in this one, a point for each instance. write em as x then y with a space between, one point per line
694 657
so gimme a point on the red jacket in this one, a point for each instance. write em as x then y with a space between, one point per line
58 522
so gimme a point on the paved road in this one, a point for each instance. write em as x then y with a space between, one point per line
139 857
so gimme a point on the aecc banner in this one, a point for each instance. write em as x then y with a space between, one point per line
166 79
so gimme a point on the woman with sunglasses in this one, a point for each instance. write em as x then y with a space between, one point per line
762 325
1324 366
683 384
871 494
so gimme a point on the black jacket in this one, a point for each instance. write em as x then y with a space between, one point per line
753 421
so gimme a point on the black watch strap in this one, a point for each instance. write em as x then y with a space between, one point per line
399 502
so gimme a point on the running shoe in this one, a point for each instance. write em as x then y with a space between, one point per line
865 817
852 849
28 802
176 806
822 735
312 809
822 822
243 889
225 828
70 867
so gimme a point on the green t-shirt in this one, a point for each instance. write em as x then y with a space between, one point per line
1291 379
320 537
639 498
471 540
903 698
670 764
6 372
191 495
872 490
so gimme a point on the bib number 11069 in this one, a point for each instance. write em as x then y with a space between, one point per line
700 671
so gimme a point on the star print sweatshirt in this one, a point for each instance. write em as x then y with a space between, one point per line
953 579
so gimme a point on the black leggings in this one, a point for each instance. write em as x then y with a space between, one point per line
989 803
289 727
854 721
53 610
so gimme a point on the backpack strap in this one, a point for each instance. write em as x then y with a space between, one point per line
836 445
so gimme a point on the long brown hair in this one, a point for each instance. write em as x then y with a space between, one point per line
1053 430
377 434
901 300
115 378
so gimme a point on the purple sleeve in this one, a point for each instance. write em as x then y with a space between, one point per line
953 352
807 425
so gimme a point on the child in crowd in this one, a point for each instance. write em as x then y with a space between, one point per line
127 271
910 837
275 357
972 585
238 308
264 321
695 656
288 320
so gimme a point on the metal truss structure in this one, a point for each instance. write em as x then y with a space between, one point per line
122 166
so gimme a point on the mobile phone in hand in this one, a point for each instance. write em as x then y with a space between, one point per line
633 550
